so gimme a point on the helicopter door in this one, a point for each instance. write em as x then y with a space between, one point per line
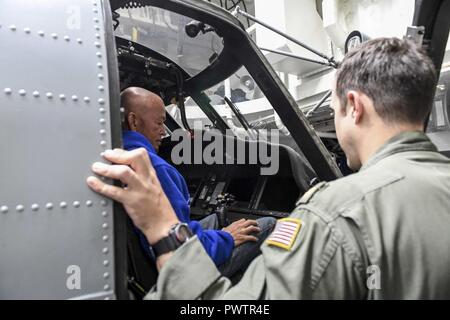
57 103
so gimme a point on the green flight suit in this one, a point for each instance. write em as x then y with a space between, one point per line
382 233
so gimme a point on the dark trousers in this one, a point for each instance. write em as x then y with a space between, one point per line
244 254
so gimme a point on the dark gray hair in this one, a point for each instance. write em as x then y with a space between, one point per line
396 74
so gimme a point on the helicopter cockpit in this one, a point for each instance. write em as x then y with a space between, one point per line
171 54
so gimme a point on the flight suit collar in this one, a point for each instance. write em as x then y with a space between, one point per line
404 142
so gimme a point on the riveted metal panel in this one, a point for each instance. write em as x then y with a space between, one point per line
56 235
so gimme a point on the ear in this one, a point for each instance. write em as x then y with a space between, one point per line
355 105
132 121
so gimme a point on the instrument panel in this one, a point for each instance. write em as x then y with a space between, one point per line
254 195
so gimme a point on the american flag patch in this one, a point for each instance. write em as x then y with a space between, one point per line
285 233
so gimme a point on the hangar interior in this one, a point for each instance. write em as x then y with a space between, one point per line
225 72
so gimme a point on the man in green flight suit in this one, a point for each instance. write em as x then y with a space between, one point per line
381 233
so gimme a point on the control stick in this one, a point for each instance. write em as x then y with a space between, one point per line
223 201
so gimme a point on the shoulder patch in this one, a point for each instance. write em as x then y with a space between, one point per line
285 233
310 193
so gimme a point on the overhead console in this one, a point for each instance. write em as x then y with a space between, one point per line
142 67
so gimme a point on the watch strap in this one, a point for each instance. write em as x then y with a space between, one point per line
166 244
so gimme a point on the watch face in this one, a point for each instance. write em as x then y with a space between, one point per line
183 232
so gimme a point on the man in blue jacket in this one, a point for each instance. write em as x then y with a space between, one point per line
231 248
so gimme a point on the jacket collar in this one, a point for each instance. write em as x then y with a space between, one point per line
403 142
134 140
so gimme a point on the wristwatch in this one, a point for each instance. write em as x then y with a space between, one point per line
178 234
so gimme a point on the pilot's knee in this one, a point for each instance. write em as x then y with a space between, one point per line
266 224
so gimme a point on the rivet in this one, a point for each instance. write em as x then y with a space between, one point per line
99 54
97 44
20 208
76 204
49 95
101 88
27 30
13 27
102 132
103 143
36 94
89 203
104 203
74 98
100 76
67 38
105 238
106 275
106 287
101 101
41 33
54 36
105 250
63 204
8 90
104 214
102 121
97 35
105 263
99 65
22 92
96 20
96 27
35 207
95 10
94 3
102 110
105 226
4 209
62 97
86 99
49 206
80 41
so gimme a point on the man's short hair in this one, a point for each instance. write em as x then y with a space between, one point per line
396 74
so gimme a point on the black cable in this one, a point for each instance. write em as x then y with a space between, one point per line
115 17
180 97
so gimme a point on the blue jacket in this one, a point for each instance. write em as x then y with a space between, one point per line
218 244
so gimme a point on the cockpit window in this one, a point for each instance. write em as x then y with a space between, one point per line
257 112
165 32
243 91
439 125
194 114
